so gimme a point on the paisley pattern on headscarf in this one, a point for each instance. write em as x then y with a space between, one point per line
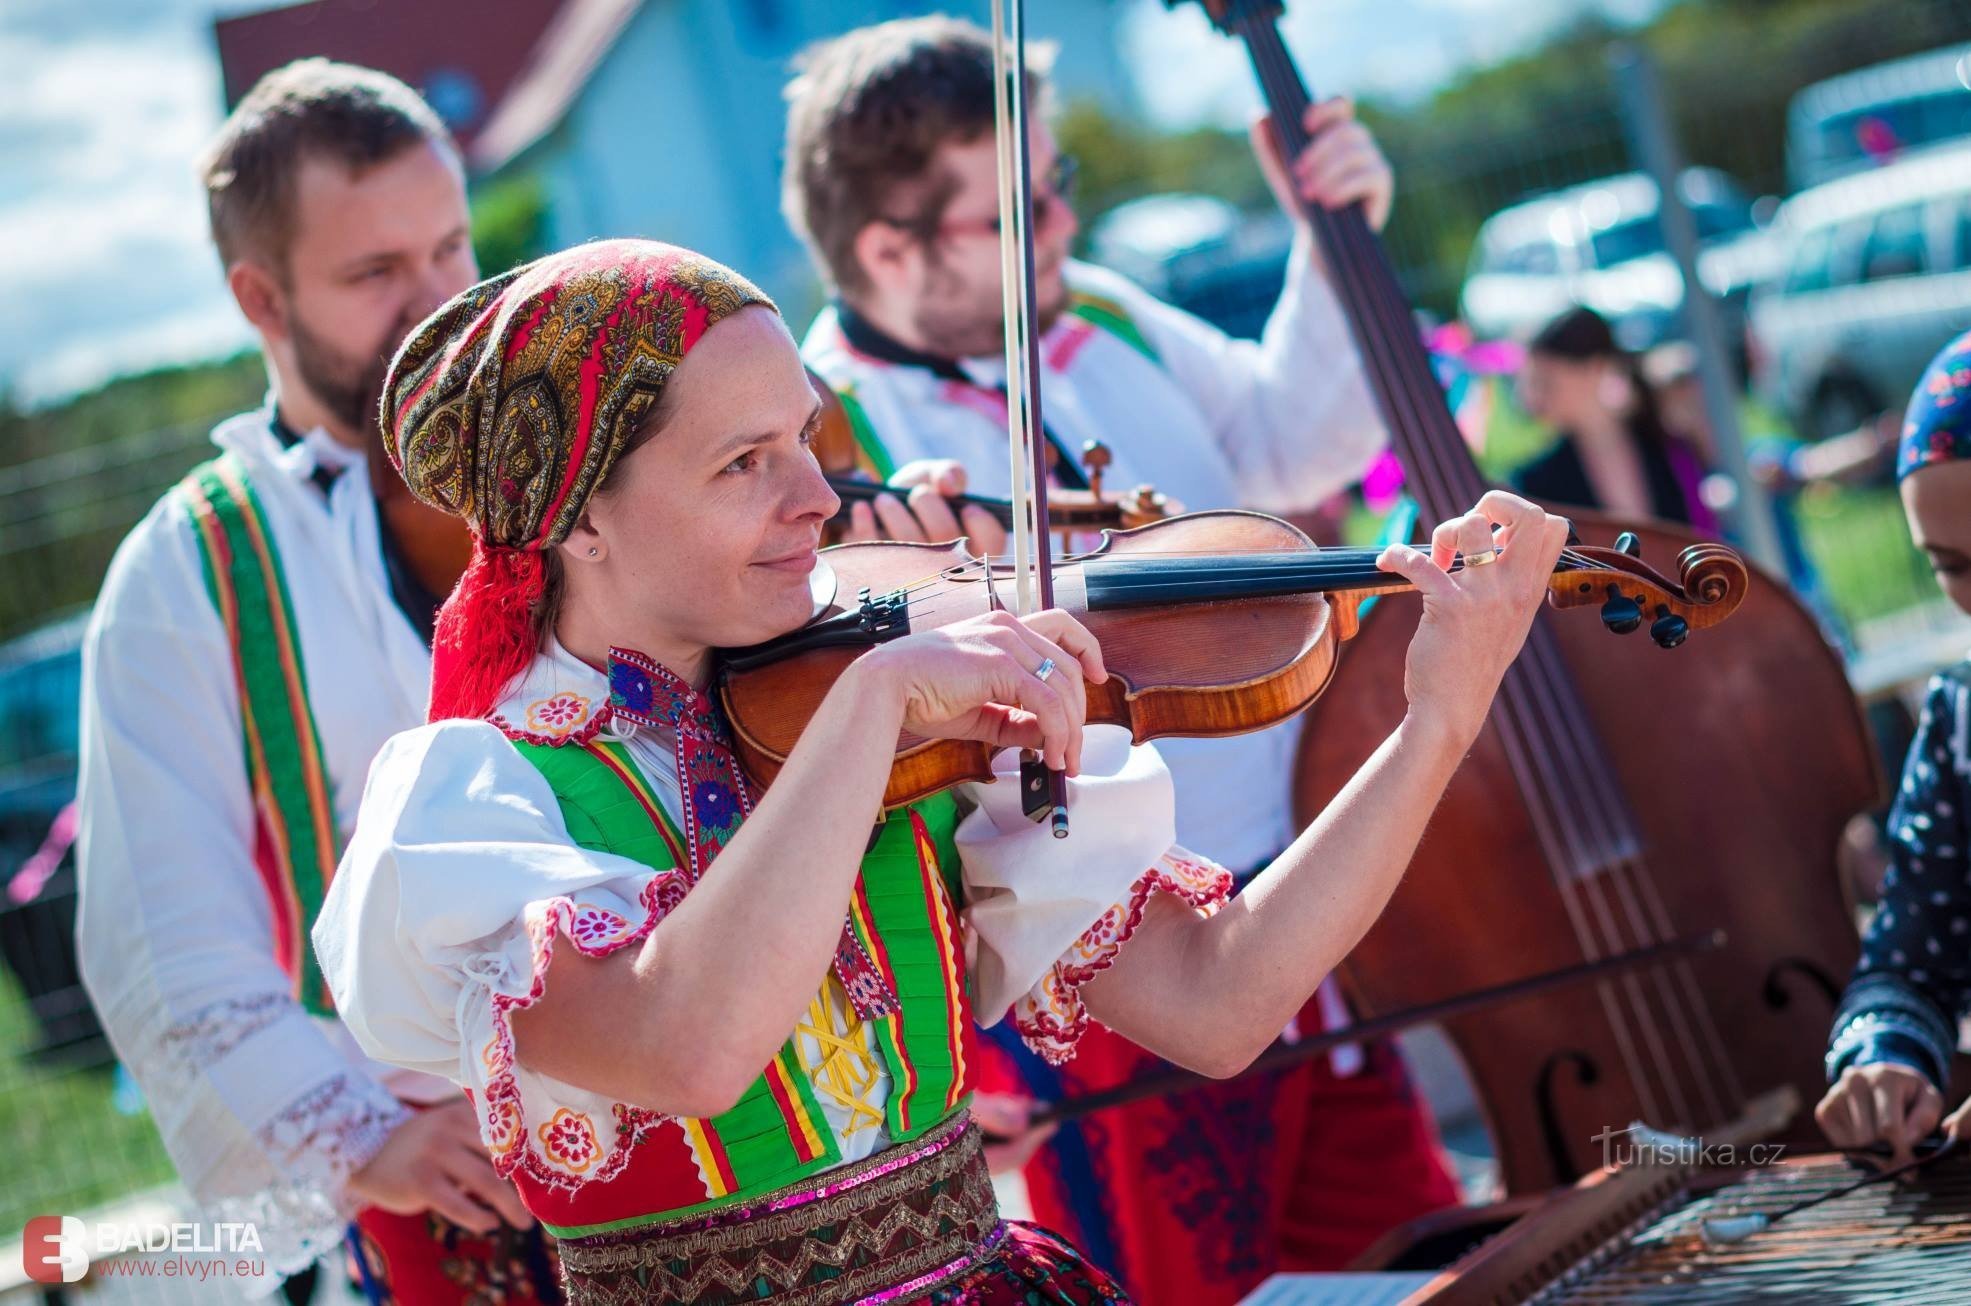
508 407
1937 428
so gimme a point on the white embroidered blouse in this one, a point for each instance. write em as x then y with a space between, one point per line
447 906
265 1109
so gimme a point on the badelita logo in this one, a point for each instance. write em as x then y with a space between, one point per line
54 1249
59 1249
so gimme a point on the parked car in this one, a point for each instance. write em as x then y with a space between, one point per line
1599 244
1875 115
1877 279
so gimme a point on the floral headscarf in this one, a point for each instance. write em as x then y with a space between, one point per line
508 407
1937 427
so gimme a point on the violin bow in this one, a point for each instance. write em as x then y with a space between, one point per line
1043 792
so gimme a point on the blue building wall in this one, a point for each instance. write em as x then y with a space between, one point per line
677 135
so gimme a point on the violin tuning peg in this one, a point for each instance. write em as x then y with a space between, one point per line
1630 543
1621 613
1573 536
1095 456
1669 629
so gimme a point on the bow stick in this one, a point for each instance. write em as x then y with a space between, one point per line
1044 793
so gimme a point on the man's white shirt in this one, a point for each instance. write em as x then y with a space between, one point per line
265 1109
1277 424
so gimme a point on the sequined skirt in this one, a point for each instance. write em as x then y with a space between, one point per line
912 1223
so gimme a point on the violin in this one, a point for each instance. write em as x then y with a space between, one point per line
1211 623
853 478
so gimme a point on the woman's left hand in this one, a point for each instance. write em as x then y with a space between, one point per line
1341 165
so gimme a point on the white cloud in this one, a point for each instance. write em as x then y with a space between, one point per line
1398 48
103 245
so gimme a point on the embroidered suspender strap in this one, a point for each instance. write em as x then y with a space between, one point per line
906 909
776 1129
874 457
294 839
1113 318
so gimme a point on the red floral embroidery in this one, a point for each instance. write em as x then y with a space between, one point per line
595 926
580 731
503 1127
500 1104
1052 1017
569 1138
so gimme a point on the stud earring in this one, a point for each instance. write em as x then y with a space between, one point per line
593 551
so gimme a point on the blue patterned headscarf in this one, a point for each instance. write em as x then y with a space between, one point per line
1937 428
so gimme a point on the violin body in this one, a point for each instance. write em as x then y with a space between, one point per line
1222 667
1740 767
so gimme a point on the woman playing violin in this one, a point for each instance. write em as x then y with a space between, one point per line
748 1080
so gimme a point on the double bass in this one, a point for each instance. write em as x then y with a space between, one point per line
1584 823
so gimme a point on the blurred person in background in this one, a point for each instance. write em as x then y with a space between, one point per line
892 181
1895 1032
259 635
1614 453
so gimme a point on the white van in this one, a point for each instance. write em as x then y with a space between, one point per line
1875 115
1876 279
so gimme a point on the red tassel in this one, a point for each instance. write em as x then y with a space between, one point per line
485 634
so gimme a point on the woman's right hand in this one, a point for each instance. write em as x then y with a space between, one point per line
1881 1103
974 679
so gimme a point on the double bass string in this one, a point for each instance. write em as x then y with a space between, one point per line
1551 683
1287 99
1352 249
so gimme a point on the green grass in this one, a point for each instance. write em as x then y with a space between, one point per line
68 1147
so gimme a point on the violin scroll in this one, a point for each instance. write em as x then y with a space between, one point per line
1712 581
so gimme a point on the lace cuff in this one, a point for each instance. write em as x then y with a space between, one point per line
1051 1016
252 1145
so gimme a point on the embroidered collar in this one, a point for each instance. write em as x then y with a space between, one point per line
644 691
564 700
560 700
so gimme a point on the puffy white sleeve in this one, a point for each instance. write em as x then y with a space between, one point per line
458 886
1047 915
263 1114
1291 411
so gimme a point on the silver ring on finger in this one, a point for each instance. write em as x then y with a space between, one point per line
1044 670
1481 557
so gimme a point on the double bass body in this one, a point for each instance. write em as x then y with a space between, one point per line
1738 768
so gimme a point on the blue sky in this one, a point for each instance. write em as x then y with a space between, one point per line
105 103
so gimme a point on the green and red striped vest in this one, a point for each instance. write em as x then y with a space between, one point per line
905 913
295 844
